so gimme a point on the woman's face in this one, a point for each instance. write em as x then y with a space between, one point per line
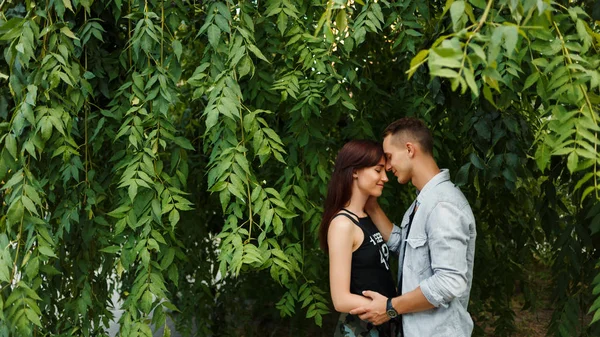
370 180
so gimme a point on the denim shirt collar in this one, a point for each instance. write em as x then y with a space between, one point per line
439 178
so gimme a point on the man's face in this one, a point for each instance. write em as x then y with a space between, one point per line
398 160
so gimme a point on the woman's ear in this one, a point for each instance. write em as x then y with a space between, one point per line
354 174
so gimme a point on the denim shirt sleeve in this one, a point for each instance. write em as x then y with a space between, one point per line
448 234
395 240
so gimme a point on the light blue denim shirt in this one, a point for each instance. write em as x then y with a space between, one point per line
438 258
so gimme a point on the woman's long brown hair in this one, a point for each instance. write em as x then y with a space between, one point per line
354 155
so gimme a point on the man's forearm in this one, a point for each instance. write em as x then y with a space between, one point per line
383 223
413 301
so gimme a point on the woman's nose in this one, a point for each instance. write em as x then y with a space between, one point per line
384 177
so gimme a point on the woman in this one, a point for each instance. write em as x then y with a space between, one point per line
358 256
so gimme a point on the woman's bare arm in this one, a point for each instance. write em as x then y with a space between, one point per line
341 238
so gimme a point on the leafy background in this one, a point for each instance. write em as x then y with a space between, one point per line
177 153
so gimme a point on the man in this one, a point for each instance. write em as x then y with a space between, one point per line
435 242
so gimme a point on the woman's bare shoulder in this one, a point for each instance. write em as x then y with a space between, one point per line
342 224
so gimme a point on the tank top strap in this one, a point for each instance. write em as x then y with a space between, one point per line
368 231
347 210
349 217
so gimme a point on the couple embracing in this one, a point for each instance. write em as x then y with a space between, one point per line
435 241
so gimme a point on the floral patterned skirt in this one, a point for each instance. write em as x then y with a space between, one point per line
352 326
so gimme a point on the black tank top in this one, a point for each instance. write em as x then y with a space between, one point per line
370 262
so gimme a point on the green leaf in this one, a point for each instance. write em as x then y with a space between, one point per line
257 52
412 32
319 320
111 249
547 48
46 127
444 72
245 66
224 197
177 48
174 217
33 317
120 211
349 105
67 4
158 237
509 174
572 161
476 161
222 23
457 10
282 21
478 51
32 268
417 61
173 273
29 205
531 79
11 145
478 3
596 317
5 266
214 35
511 35
542 156
587 191
167 259
184 143
132 190
462 176
15 211
146 301
14 180
469 77
65 30
341 20
236 187
277 225
45 250
483 130
212 118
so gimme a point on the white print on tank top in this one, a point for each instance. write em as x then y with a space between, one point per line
384 252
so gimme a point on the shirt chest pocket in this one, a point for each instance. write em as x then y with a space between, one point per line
417 255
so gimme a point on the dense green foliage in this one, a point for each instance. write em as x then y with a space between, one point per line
177 152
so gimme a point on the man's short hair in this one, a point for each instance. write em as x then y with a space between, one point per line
415 129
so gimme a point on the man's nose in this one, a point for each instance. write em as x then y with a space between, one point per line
388 166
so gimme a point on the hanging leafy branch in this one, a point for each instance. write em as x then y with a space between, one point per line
177 153
549 54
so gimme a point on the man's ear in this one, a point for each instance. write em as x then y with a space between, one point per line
411 148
